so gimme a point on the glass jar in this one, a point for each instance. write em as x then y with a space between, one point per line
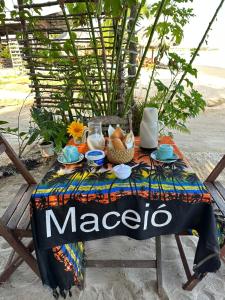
95 139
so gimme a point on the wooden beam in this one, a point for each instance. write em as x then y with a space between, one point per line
46 4
158 252
121 263
27 51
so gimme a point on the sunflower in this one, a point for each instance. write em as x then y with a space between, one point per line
76 129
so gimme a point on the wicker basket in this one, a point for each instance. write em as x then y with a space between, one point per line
120 156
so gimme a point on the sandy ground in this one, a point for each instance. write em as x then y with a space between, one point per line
210 83
14 87
203 147
120 284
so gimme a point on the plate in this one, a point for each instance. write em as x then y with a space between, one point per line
61 160
167 161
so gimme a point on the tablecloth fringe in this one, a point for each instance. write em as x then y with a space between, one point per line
56 294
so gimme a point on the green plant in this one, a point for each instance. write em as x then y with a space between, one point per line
178 101
105 96
187 102
4 52
49 127
25 138
101 85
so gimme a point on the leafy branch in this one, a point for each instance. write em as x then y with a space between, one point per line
195 53
157 16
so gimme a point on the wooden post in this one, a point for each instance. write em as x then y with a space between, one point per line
217 170
27 51
158 252
132 50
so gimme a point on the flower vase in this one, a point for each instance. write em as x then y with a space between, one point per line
149 128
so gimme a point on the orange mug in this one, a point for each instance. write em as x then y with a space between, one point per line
82 148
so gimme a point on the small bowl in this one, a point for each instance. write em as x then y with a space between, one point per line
95 157
122 171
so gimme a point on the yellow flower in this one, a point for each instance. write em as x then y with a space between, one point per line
76 129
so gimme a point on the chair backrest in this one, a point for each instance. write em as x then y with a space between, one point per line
5 147
217 170
125 123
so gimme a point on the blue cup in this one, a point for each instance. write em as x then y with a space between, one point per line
165 151
70 154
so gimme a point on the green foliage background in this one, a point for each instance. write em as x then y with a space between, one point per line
177 101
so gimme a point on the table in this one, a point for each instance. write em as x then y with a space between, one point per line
157 199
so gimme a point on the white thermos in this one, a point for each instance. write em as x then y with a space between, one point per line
149 128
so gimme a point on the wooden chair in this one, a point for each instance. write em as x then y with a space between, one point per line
125 123
218 193
15 222
217 190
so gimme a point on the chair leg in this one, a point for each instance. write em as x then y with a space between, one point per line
159 266
4 276
12 255
19 247
10 258
192 280
13 263
183 256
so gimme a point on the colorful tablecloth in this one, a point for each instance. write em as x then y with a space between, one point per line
87 204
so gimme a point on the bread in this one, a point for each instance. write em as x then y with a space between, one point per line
129 140
118 133
117 144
